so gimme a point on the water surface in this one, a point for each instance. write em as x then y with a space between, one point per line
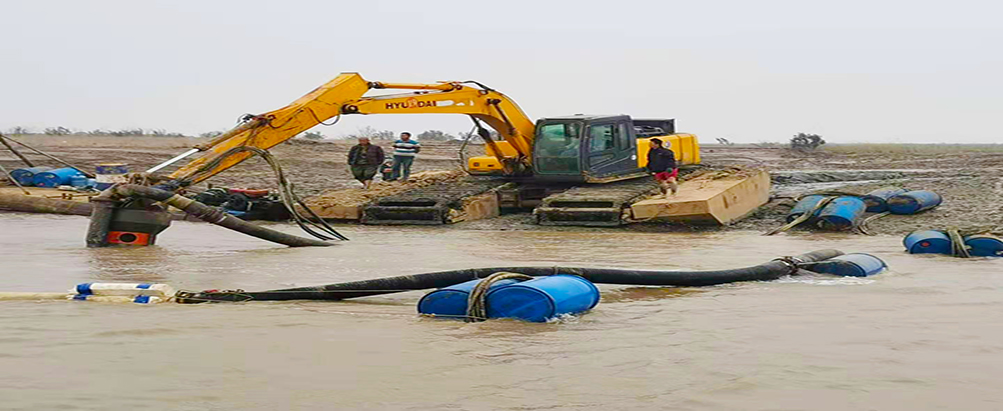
925 335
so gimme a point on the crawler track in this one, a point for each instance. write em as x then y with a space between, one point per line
600 205
429 205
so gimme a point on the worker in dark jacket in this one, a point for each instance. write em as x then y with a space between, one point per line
365 159
662 162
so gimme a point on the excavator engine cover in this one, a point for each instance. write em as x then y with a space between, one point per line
137 227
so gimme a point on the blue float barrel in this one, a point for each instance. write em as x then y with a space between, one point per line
877 200
106 175
850 265
927 242
912 202
984 246
54 178
543 298
841 213
79 180
806 204
26 176
452 301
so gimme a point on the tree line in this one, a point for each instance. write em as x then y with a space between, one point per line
126 132
390 135
368 131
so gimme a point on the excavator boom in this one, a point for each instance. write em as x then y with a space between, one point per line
344 95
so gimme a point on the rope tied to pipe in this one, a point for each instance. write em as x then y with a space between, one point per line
477 305
793 263
860 227
801 218
958 247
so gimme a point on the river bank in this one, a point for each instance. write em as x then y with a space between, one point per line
969 178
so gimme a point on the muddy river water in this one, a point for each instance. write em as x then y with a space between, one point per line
928 334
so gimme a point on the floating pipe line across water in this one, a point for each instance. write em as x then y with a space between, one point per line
764 272
104 205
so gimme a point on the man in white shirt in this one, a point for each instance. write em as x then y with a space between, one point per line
405 151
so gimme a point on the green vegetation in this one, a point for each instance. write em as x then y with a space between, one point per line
63 131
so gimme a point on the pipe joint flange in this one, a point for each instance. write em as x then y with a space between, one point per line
790 262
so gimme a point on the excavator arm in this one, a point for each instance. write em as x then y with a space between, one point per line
344 95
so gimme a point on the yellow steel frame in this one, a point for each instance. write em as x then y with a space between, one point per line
344 95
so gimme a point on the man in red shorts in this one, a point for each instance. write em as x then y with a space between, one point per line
662 162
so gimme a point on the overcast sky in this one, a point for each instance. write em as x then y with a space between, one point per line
749 71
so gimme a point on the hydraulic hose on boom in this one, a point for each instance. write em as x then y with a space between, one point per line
344 95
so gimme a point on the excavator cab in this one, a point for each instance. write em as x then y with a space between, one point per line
585 148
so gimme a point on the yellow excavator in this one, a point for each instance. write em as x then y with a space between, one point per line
545 157
573 149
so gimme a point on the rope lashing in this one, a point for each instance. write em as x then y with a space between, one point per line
958 247
477 307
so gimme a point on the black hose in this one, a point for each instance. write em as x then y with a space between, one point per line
195 208
101 215
388 285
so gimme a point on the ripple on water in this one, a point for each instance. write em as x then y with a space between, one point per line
924 331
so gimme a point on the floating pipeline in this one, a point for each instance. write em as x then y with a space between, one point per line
26 176
536 300
841 213
927 242
541 299
764 272
451 301
941 242
912 202
807 204
54 178
984 246
849 265
877 200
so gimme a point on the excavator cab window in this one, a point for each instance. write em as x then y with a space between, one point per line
558 148
601 138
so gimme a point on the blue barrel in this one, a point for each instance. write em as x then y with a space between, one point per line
850 265
26 176
543 298
841 213
806 204
877 200
927 242
452 301
54 178
984 246
108 175
79 180
913 202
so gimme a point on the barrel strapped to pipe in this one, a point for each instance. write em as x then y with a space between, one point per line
764 272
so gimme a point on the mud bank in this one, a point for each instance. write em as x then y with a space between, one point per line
971 182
